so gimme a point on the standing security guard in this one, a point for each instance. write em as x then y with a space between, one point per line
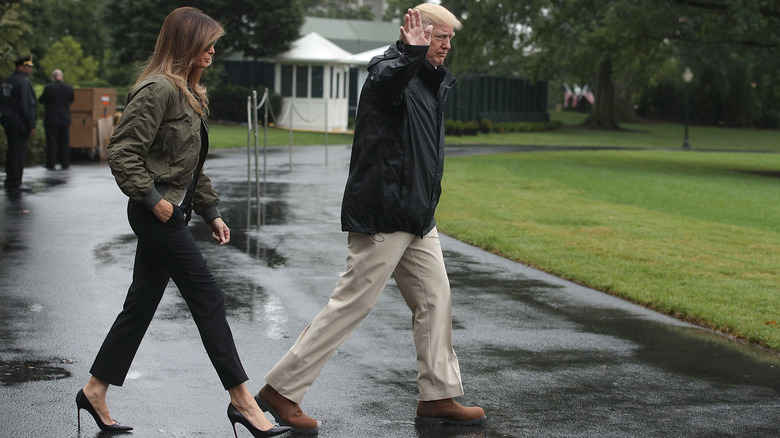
18 110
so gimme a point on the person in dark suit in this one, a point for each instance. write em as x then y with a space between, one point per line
19 118
56 99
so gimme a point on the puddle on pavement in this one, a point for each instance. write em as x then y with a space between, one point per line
121 248
242 298
23 371
12 246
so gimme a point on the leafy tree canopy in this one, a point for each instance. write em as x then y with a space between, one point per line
68 56
494 36
255 28
13 36
629 41
350 9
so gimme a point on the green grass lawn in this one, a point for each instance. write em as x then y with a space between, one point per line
235 136
695 235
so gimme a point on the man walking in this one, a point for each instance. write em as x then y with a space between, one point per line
56 99
18 110
388 209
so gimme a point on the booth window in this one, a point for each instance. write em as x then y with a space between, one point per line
302 81
317 77
287 81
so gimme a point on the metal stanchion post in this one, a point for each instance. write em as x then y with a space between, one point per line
248 161
326 132
267 100
290 112
257 164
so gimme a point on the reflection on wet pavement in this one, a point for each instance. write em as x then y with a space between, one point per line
22 371
447 431
241 215
118 250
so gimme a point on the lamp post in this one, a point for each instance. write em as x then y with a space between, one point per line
687 77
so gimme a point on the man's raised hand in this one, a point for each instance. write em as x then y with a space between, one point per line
412 30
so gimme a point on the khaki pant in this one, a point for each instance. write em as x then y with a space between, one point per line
418 267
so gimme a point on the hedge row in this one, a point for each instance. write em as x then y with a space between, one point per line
472 127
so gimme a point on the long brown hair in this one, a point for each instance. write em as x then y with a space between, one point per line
186 33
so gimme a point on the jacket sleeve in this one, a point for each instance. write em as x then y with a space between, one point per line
390 74
132 139
205 200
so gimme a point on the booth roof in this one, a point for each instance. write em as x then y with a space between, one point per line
314 48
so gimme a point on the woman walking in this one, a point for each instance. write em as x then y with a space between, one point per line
156 156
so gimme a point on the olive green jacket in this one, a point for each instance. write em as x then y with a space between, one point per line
154 150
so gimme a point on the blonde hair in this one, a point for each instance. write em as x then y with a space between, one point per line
431 13
185 34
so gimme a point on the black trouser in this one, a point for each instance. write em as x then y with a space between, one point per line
15 156
168 250
57 145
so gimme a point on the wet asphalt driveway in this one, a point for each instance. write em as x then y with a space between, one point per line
544 357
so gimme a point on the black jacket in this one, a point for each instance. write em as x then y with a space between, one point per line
397 159
19 104
56 99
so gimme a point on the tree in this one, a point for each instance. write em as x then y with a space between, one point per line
53 19
68 56
628 41
349 9
255 28
13 35
599 41
494 37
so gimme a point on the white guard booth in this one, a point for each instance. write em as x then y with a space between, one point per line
312 78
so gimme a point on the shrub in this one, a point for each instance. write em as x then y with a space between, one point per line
457 128
471 127
36 147
486 125
449 127
527 126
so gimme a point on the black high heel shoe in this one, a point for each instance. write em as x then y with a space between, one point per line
235 416
82 402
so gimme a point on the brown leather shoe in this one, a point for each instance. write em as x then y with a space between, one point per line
286 412
447 411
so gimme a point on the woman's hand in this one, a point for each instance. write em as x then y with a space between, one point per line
163 210
220 232
412 30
